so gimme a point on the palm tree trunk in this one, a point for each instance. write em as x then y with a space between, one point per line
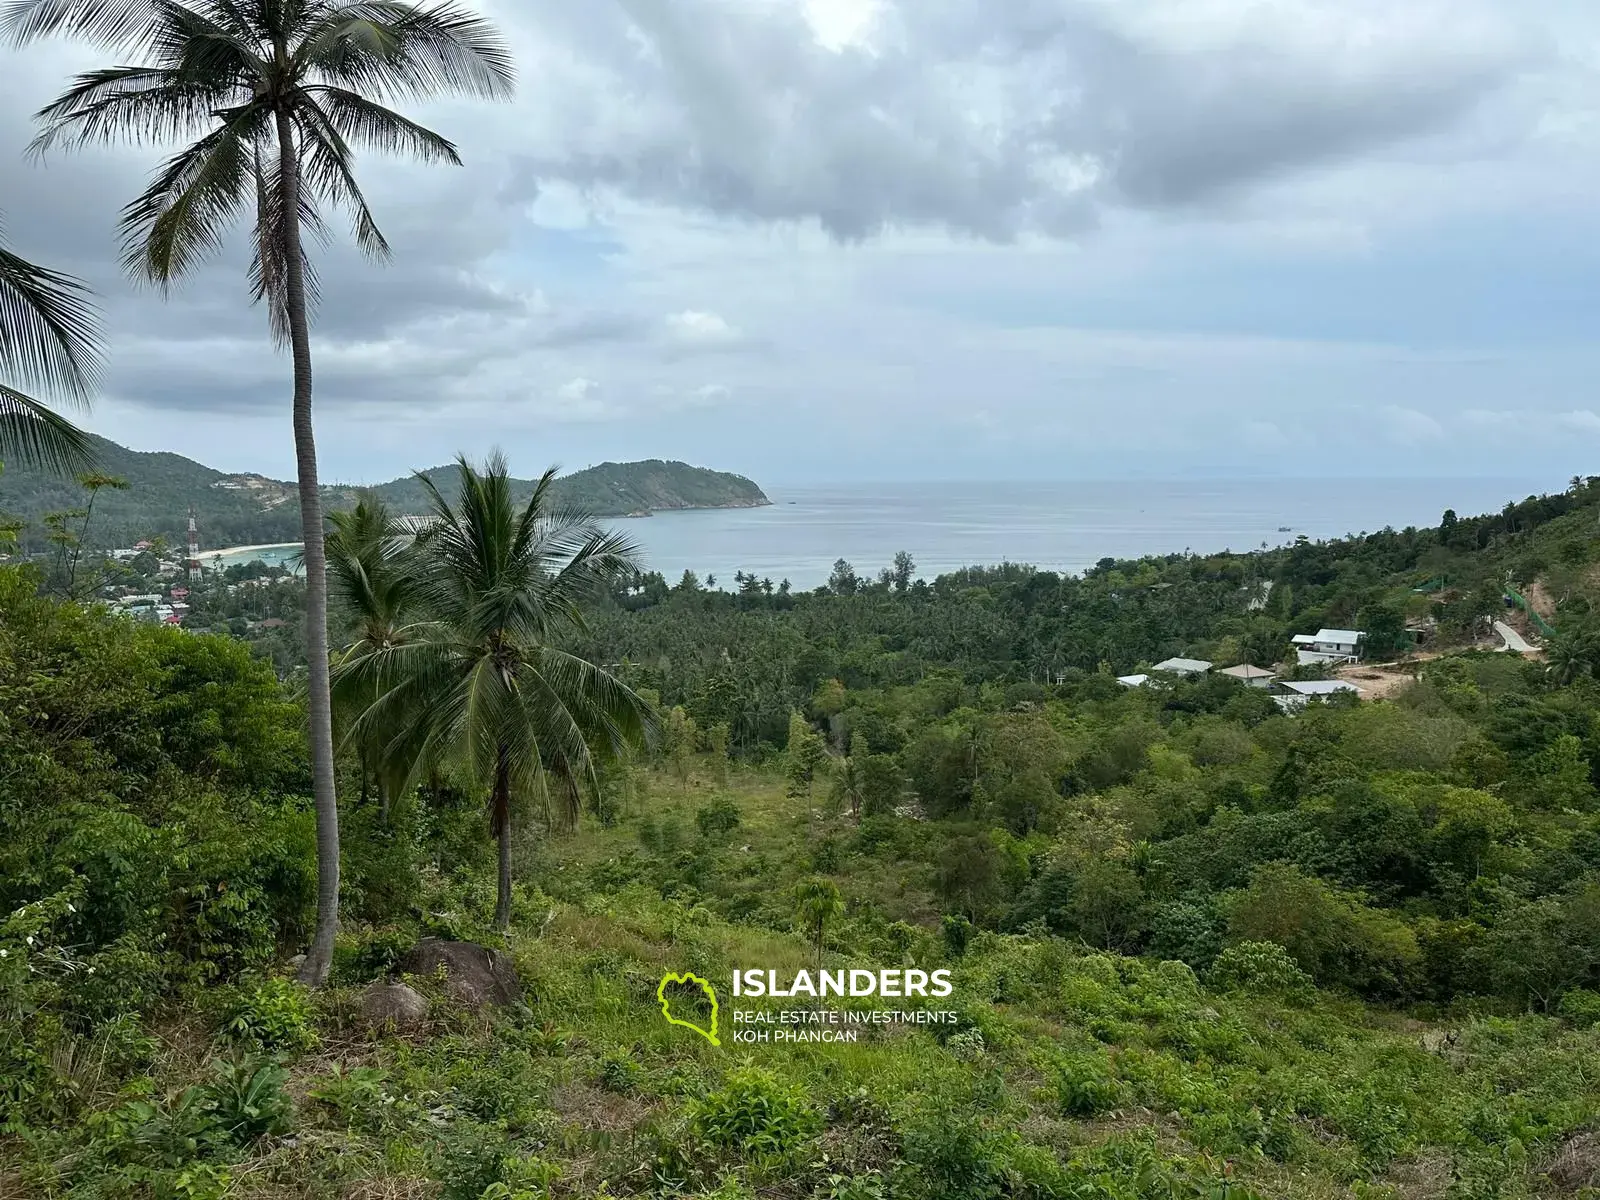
318 703
500 819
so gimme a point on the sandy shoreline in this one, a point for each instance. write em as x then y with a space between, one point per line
228 551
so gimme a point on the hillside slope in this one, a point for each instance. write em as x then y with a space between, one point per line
246 508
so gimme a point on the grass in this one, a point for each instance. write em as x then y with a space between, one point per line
1069 1074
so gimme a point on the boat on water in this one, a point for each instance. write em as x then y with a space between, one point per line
1285 528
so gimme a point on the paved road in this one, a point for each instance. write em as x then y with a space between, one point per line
1512 639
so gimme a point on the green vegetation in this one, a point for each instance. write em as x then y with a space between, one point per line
49 341
1199 947
245 510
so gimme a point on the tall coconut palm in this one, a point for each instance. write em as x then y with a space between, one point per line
50 343
276 95
480 681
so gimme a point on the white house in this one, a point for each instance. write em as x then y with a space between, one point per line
1299 693
1256 677
1133 680
1183 666
1328 646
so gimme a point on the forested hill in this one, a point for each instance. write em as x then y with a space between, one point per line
250 509
610 489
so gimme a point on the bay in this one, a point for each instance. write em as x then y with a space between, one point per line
1061 526
1054 526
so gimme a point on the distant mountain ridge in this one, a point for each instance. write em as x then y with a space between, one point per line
244 508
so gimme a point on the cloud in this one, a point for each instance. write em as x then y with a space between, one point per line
1583 420
694 328
1264 435
996 120
1408 426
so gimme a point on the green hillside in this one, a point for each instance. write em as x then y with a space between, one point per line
609 489
1200 947
235 510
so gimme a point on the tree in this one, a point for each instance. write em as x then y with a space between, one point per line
49 342
805 753
369 579
900 574
480 681
817 902
843 581
849 783
276 95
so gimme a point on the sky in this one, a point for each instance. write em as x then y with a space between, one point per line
832 240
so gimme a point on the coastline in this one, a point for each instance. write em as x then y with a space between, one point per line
229 551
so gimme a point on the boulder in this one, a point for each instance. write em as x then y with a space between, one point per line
475 975
384 1002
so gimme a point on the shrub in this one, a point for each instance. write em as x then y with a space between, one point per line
246 1097
1261 968
1580 1006
1085 1087
757 1115
718 819
273 1015
947 1155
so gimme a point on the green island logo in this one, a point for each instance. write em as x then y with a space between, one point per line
666 1004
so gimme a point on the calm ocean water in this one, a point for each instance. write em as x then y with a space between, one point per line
1054 526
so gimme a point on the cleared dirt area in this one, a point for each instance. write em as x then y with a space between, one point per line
1379 681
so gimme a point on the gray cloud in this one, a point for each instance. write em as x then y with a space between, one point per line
702 143
997 119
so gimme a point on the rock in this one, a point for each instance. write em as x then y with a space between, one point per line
383 1003
475 974
298 960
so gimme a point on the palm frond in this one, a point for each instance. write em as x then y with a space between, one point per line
365 123
399 50
33 435
120 25
325 171
269 261
183 217
132 104
49 330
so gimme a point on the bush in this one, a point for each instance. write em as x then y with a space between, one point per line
1581 1007
273 1015
1263 969
757 1115
1085 1087
717 819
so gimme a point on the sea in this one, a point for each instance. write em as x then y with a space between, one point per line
1063 526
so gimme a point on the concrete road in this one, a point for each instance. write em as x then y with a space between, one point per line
1512 639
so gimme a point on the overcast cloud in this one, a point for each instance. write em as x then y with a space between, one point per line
926 239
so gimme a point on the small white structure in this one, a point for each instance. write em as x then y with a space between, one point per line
1300 693
1183 666
1133 680
1256 677
1328 646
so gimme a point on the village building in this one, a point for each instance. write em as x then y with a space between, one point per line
1297 694
1328 646
1256 677
1183 666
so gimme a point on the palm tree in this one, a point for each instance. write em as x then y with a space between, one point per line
49 342
817 902
479 682
370 581
276 93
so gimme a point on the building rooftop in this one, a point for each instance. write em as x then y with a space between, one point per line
1246 671
1319 687
1133 680
1183 666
